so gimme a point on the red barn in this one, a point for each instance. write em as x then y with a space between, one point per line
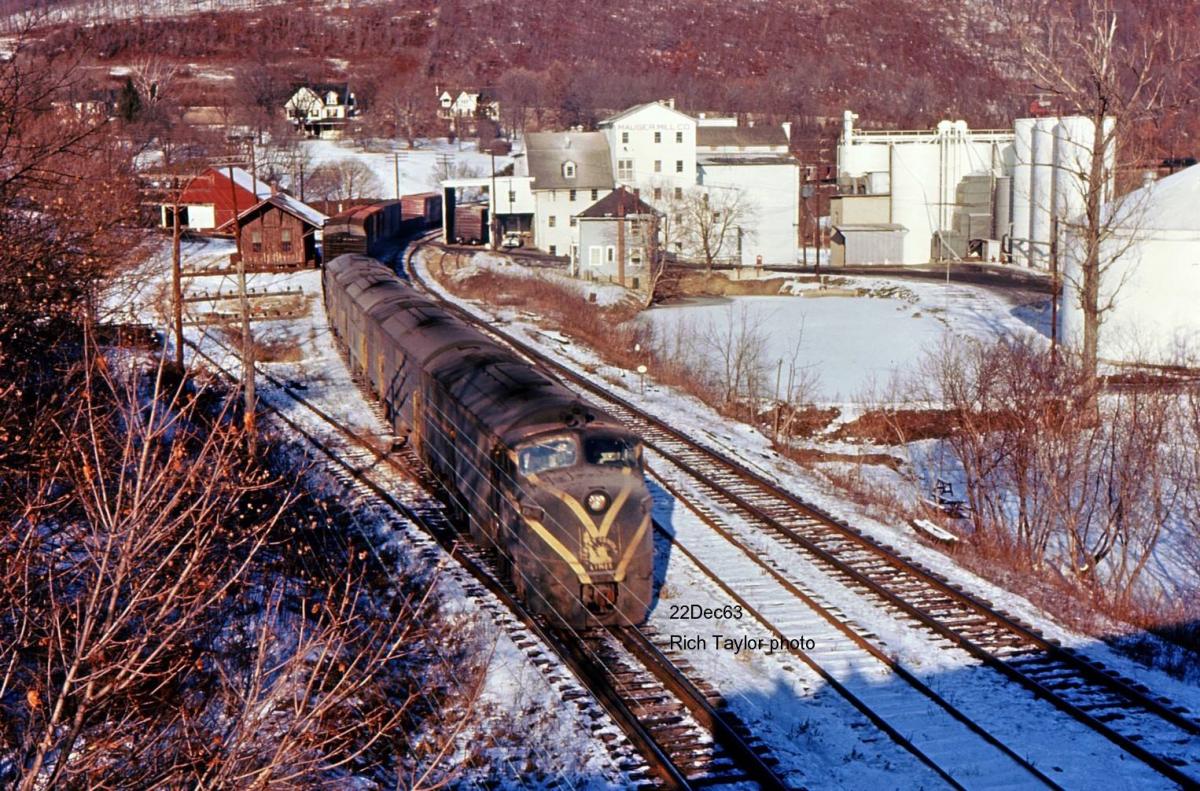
208 200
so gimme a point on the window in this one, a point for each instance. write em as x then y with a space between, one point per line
553 249
679 247
552 453
658 193
624 137
625 169
658 137
512 197
679 193
595 194
552 221
256 241
679 166
611 451
658 166
679 137
611 254
595 255
573 222
568 170
285 240
571 195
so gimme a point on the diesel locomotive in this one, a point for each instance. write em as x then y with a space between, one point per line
548 480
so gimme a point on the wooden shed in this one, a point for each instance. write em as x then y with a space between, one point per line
279 233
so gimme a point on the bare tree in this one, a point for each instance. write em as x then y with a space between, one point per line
345 179
404 107
713 224
1119 65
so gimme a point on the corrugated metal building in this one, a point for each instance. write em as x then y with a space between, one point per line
881 243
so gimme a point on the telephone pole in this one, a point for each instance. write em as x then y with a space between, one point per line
621 236
249 406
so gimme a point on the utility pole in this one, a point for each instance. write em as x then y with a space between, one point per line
494 201
248 417
396 165
176 277
802 220
621 236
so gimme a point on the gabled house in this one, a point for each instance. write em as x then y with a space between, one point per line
615 239
570 171
278 232
208 200
321 107
457 104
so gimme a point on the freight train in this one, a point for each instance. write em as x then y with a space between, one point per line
368 229
548 480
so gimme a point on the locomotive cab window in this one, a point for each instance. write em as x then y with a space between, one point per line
610 451
551 453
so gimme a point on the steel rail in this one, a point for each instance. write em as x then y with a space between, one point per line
640 420
584 666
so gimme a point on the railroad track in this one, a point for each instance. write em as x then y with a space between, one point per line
745 508
676 723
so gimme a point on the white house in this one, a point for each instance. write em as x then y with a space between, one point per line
570 172
653 149
466 104
321 107
1152 275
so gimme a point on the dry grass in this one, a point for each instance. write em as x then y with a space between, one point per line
612 332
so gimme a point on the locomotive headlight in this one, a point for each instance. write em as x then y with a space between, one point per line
596 502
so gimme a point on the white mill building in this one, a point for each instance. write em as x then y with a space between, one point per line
951 193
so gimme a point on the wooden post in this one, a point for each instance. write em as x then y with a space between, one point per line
244 304
621 237
176 282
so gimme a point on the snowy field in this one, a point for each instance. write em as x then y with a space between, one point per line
418 166
857 344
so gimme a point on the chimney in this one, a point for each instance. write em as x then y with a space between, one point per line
274 188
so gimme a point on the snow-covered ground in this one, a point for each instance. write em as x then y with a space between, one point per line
544 743
418 167
856 344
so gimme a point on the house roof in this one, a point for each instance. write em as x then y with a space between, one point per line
740 136
547 152
612 119
323 89
212 188
747 158
619 202
288 204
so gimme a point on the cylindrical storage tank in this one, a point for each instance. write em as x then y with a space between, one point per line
1109 142
1002 208
879 182
1041 193
1022 177
1074 139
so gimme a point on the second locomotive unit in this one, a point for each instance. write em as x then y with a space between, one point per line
550 481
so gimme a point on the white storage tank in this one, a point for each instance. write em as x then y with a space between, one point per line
1022 179
1074 140
1041 193
1152 276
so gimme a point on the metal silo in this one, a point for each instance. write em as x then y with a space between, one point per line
1041 193
1022 176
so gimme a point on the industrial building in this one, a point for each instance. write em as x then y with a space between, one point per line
1150 261
954 193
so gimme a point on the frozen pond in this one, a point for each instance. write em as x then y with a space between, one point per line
853 344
